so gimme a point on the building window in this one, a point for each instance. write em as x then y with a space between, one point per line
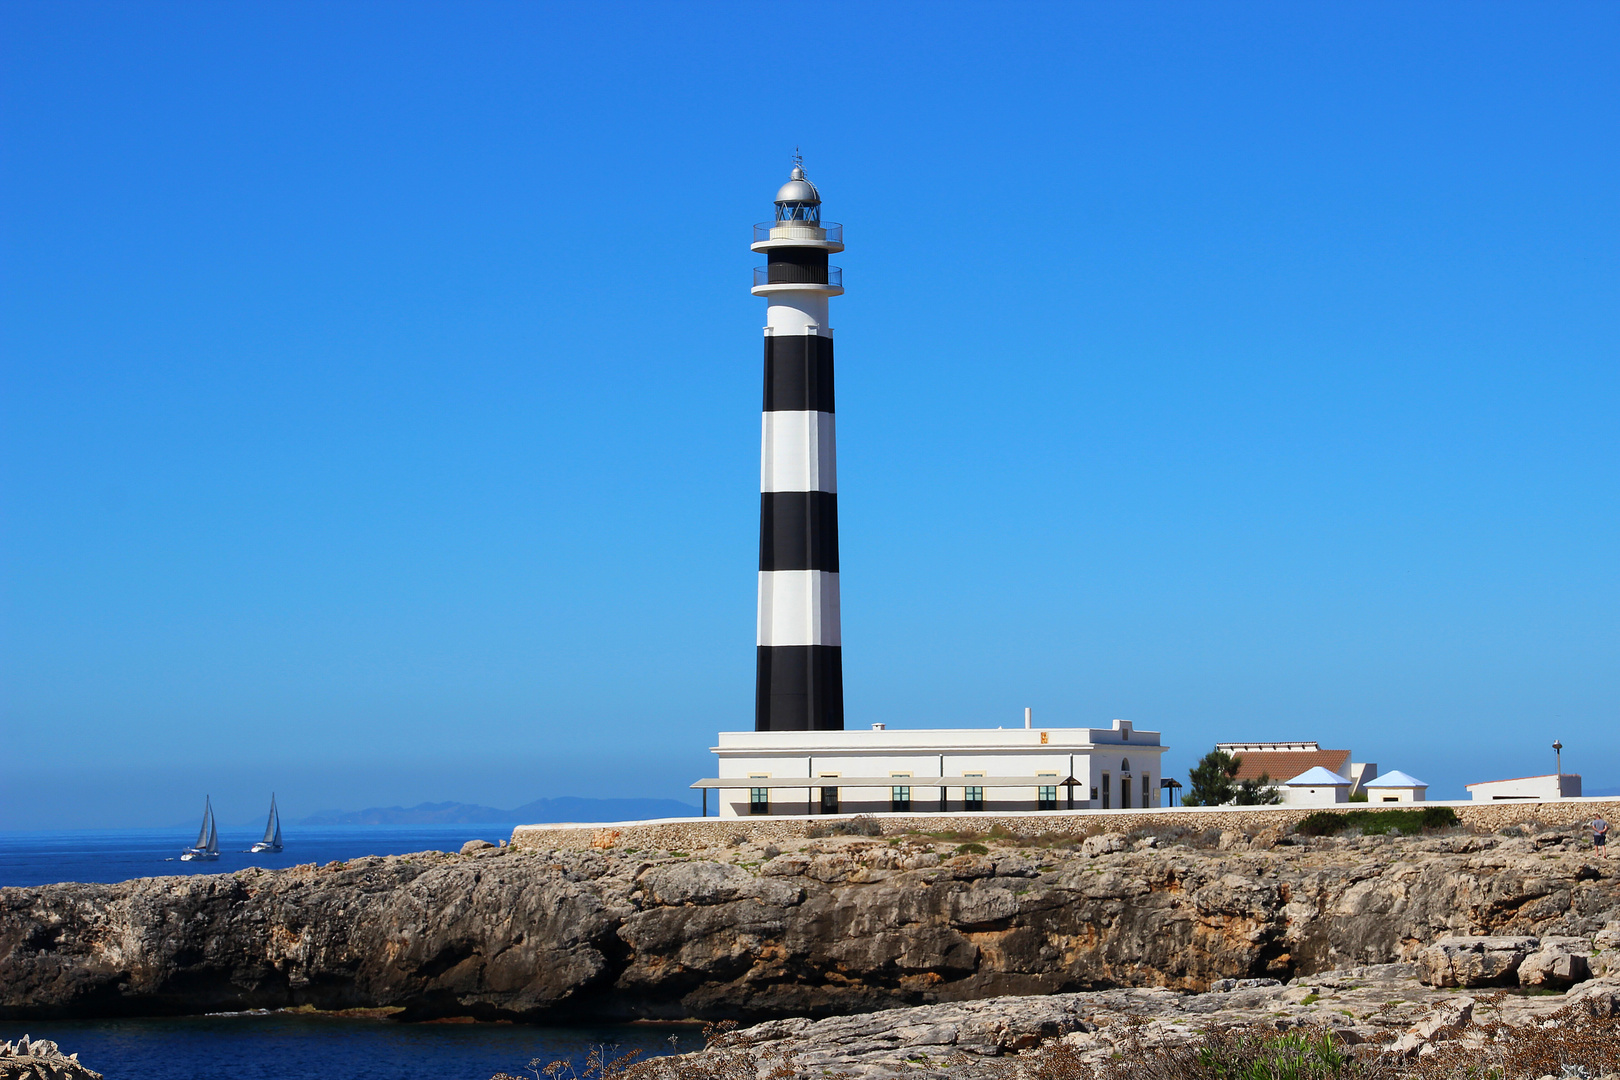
759 800
1106 802
1147 792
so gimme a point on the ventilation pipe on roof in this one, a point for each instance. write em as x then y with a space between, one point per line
1028 719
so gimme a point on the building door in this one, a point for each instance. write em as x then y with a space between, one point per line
972 797
1046 794
1106 803
829 800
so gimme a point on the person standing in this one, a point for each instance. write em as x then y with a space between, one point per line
1600 836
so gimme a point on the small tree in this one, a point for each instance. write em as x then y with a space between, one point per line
1261 792
1211 781
1215 783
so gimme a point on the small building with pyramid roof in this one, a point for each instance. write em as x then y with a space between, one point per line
1396 787
1315 786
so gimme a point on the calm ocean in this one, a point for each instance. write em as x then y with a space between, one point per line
283 1046
39 858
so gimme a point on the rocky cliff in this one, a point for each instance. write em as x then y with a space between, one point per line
838 925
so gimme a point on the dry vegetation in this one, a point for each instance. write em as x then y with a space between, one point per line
1569 1044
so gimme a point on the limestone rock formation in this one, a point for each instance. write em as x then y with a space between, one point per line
1379 1009
1555 963
818 928
1475 961
40 1059
1602 996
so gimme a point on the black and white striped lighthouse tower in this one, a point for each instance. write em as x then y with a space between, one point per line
801 671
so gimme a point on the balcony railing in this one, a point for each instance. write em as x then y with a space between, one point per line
762 276
831 232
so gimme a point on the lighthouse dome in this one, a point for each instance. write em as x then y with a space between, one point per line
798 190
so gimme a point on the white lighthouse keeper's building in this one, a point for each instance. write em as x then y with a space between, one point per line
934 770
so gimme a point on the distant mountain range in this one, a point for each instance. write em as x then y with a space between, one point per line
568 808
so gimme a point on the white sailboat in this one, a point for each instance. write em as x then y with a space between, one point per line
272 831
206 849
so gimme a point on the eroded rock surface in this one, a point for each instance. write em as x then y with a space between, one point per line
1381 1009
838 925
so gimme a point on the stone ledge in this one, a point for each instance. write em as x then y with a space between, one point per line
681 834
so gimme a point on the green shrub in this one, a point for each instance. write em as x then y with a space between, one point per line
860 825
1294 1055
972 849
1377 822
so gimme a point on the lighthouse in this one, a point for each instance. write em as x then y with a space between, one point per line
800 681
800 758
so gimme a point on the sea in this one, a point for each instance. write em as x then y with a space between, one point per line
286 1045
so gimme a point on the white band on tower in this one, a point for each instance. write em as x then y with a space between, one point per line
798 452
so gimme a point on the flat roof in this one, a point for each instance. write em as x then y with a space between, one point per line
882 781
935 740
1516 779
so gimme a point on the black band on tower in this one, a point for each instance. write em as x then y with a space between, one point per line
797 266
798 530
800 688
799 373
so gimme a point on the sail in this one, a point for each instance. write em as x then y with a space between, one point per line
213 836
207 822
272 825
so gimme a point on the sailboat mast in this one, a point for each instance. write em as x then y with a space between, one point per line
208 820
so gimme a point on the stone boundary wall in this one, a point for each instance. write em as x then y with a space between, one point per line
687 834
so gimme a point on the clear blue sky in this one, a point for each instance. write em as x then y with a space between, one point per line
381 386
